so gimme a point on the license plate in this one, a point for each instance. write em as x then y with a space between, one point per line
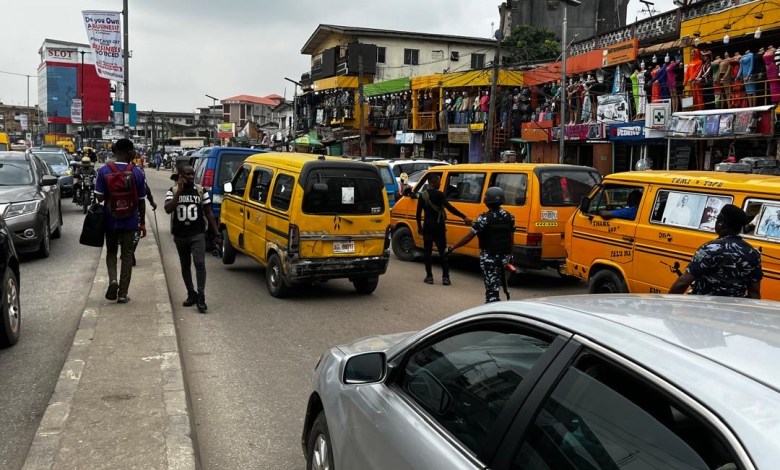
343 247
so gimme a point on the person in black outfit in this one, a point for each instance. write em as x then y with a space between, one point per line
433 229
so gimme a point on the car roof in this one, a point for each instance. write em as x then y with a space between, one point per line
294 160
724 352
13 155
692 179
520 166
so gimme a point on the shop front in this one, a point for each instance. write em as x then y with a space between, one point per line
632 142
586 145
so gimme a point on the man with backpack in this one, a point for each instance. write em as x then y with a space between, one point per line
122 186
433 228
190 208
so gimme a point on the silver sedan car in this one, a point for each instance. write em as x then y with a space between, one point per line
578 382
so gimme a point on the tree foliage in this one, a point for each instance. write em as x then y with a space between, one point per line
528 44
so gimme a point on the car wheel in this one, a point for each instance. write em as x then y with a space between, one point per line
607 281
319 455
366 285
403 244
58 232
228 252
11 323
274 278
45 248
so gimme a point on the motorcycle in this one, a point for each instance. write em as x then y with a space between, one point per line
86 188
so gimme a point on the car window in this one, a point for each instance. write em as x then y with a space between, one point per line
610 198
15 172
464 187
600 416
565 187
282 195
348 191
764 219
514 185
387 176
199 166
690 210
228 164
261 181
240 180
465 380
52 158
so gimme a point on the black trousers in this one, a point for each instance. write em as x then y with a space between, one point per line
440 238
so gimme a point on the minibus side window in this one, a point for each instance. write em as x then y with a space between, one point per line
283 189
696 211
514 185
765 219
610 198
240 180
464 187
260 183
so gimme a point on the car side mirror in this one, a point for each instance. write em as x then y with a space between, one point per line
227 188
48 180
407 191
585 204
365 368
320 187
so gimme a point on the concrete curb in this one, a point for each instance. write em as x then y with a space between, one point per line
179 447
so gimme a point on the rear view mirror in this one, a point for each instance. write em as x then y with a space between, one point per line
320 188
585 204
228 188
365 368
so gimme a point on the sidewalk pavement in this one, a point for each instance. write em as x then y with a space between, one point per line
120 400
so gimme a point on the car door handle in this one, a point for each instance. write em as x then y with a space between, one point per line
629 239
247 215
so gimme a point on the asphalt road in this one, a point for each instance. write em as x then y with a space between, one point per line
53 294
248 362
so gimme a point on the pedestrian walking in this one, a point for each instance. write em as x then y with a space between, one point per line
727 266
190 207
495 229
432 226
122 186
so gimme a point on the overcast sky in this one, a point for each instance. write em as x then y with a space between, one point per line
184 49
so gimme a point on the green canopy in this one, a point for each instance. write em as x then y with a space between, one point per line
308 141
396 85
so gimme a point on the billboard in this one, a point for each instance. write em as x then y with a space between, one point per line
105 38
226 130
96 95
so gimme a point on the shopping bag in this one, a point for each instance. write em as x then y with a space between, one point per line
93 232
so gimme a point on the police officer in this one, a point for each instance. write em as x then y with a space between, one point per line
495 229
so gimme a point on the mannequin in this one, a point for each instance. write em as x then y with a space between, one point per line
717 86
738 97
705 80
476 116
635 89
723 78
465 109
759 76
587 104
640 110
691 73
745 72
671 85
598 88
772 75
648 85
484 105
571 95
456 108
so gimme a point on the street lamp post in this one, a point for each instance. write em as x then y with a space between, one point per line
81 97
211 110
562 137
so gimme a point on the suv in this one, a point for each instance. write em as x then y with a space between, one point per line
215 166
10 308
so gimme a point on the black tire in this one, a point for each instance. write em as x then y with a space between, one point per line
84 202
365 285
228 252
319 451
58 231
274 278
607 281
403 244
10 310
44 250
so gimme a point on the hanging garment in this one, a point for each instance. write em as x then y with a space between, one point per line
738 97
640 78
759 77
635 88
772 76
745 72
691 73
656 87
662 83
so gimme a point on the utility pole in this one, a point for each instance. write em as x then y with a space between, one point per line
360 100
126 112
493 86
81 96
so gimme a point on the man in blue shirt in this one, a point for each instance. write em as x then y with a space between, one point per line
628 212
119 231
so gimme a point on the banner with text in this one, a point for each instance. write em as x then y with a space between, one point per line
105 37
75 111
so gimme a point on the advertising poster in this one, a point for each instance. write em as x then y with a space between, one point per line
742 123
613 108
726 124
75 111
711 211
684 209
226 130
769 222
712 125
105 38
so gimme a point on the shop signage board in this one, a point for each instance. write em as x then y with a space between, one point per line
621 52
657 116
580 132
226 130
613 108
458 134
429 136
711 124
626 131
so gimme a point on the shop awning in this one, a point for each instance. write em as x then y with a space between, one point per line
664 46
396 85
735 123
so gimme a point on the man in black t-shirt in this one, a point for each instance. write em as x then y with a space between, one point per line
433 226
190 207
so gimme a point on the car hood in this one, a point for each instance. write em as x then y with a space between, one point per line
17 193
60 168
378 343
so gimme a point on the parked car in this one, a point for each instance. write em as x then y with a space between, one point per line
391 186
215 166
409 166
10 306
59 161
29 202
564 383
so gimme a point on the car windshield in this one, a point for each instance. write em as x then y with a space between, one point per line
349 191
53 158
566 187
412 167
228 165
15 173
